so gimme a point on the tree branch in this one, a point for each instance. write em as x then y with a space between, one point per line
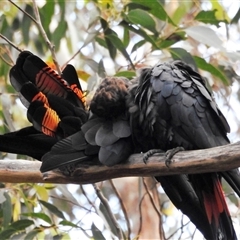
44 34
207 160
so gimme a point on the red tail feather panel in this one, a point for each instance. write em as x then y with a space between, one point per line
48 81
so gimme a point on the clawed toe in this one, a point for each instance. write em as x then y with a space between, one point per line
149 153
170 153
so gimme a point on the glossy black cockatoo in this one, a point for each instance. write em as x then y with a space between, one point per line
170 108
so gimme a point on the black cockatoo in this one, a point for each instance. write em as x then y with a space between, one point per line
106 134
170 108
167 106
56 106
56 109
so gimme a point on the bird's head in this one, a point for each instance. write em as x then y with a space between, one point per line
110 97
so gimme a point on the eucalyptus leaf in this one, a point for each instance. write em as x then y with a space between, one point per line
52 209
202 64
156 9
117 43
41 216
32 234
68 223
205 35
7 233
7 210
21 224
140 32
209 17
97 235
142 18
182 54
127 74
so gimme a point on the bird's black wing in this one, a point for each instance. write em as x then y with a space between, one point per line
27 141
56 107
176 109
106 135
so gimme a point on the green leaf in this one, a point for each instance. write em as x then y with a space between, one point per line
127 74
32 234
202 64
101 70
2 197
46 13
166 43
107 31
62 7
7 210
101 42
26 23
138 45
134 5
21 224
126 37
156 9
221 14
68 223
91 36
117 43
52 209
209 17
108 219
236 17
57 237
182 54
140 32
59 33
142 18
7 233
5 58
97 235
181 11
42 216
205 35
172 39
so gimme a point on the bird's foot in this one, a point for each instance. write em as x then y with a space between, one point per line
170 153
149 153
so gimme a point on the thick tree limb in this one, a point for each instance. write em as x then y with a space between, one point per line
208 160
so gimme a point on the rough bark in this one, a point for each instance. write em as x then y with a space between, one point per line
208 160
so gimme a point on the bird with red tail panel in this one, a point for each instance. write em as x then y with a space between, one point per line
172 108
106 133
56 106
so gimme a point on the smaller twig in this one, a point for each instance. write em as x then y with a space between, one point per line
180 236
194 232
73 56
140 217
89 201
10 43
104 201
26 13
123 208
71 202
44 34
171 236
154 206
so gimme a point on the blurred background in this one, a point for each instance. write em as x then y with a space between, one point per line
107 37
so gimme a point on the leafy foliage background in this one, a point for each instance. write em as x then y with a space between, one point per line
107 37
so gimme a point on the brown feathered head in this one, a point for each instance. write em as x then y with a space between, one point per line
109 99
